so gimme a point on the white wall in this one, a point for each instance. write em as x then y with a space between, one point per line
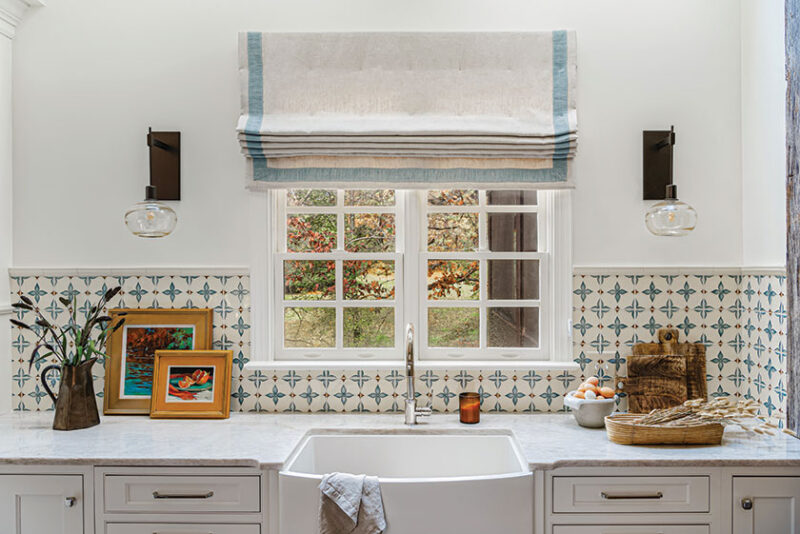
763 133
91 75
5 216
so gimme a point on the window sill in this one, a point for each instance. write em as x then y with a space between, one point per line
419 365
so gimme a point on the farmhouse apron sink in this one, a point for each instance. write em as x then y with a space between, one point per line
459 483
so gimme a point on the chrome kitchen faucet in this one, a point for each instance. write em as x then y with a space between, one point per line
412 412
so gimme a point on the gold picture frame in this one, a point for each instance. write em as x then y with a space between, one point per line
191 384
129 368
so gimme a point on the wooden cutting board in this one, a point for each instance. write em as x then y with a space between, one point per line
665 374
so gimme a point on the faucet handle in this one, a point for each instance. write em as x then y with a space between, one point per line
424 411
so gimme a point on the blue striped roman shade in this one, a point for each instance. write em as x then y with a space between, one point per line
408 109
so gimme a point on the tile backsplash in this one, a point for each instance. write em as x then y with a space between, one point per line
741 318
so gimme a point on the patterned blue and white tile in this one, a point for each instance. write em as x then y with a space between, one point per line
228 295
740 319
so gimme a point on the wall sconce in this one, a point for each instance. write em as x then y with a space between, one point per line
670 217
151 218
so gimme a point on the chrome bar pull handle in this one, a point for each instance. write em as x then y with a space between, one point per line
628 496
159 495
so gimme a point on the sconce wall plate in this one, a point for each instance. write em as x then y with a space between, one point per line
657 162
165 164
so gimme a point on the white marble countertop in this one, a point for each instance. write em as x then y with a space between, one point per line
266 440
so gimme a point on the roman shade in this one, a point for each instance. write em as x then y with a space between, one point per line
408 109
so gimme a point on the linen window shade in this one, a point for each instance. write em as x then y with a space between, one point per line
408 109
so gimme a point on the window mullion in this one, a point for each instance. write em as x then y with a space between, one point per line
339 305
413 273
483 308
340 218
280 211
483 247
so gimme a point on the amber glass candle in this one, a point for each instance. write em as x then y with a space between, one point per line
469 408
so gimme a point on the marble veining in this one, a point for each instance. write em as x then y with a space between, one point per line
546 441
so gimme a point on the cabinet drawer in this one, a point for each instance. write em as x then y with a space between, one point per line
179 528
631 529
630 494
178 494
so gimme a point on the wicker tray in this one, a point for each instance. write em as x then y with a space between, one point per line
622 430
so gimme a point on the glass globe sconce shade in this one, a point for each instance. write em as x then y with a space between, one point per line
671 217
150 218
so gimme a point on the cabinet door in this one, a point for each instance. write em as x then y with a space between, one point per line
36 504
766 505
630 529
180 528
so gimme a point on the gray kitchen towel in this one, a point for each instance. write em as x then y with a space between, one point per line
350 504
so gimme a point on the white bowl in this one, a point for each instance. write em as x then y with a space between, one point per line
590 413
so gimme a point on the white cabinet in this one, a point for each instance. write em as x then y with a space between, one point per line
36 504
766 505
630 529
637 494
182 528
187 493
631 500
179 500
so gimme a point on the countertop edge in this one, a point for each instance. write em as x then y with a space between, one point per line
675 462
266 466
139 462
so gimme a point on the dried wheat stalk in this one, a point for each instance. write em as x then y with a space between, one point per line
742 413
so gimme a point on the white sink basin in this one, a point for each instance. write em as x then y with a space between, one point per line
409 456
464 483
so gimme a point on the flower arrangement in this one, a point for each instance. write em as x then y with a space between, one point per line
72 344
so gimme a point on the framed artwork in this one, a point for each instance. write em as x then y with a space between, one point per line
132 349
192 384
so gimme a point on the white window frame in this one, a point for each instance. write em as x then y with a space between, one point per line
482 255
339 302
555 302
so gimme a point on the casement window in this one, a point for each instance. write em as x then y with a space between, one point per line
339 268
483 275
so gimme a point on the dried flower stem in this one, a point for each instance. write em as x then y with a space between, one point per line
742 413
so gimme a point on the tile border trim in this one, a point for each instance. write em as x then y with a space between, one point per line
129 271
587 270
245 271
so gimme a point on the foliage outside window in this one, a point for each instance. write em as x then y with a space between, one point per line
356 265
